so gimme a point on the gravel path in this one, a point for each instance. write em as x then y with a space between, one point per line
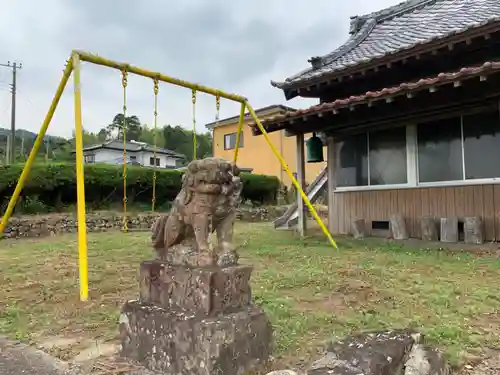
20 359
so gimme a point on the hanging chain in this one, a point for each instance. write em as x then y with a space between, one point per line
193 99
155 114
124 135
217 107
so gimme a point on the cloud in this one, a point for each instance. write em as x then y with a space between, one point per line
237 46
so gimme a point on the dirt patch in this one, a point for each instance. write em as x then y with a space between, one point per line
347 296
487 366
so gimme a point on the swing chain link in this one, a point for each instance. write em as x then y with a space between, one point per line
217 107
155 114
155 86
124 78
124 132
193 99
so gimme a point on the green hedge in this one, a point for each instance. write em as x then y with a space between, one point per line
55 184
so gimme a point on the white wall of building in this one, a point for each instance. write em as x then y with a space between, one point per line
108 156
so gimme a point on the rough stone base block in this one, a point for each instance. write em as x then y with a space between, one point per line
473 230
207 291
398 227
429 229
179 343
449 229
359 228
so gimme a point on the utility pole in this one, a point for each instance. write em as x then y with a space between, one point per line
14 66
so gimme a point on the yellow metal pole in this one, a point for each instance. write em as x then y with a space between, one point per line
36 146
238 134
84 56
80 185
290 175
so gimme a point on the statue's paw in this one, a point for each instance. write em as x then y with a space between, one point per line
228 258
206 259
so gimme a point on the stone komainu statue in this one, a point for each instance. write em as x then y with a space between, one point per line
207 202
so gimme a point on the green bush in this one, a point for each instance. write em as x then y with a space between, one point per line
54 185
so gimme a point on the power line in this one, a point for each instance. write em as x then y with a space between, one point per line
14 66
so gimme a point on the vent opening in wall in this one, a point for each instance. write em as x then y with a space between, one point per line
461 233
380 228
380 224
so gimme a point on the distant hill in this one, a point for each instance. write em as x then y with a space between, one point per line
23 133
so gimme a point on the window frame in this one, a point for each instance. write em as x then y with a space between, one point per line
412 167
152 163
89 158
410 147
242 142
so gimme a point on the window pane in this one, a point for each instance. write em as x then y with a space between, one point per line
241 139
482 145
388 157
440 150
230 141
352 161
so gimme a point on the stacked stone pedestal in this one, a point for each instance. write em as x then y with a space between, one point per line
195 321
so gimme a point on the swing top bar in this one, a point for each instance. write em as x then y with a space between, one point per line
85 56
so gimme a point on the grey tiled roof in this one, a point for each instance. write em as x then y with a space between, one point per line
401 27
132 147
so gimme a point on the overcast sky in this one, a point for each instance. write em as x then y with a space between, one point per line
237 46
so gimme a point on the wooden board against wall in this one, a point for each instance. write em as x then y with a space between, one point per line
477 200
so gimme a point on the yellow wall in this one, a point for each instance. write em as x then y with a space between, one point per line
257 154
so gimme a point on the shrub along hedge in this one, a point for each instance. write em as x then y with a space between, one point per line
54 185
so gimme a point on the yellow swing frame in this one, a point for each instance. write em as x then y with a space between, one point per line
73 66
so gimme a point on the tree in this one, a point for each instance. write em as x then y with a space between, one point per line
132 132
180 140
102 135
148 136
88 138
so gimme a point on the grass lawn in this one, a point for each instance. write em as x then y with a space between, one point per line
311 292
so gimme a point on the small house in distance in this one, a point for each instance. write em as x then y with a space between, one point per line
138 153
410 108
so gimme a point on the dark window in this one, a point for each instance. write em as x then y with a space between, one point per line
89 159
133 158
152 161
482 145
387 157
378 158
352 161
230 141
440 150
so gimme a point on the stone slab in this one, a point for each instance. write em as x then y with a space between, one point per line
182 343
204 291
398 352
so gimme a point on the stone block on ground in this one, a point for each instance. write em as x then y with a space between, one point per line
358 228
449 229
398 227
399 352
175 342
473 230
429 229
207 291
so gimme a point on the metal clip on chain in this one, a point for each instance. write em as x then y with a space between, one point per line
217 107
